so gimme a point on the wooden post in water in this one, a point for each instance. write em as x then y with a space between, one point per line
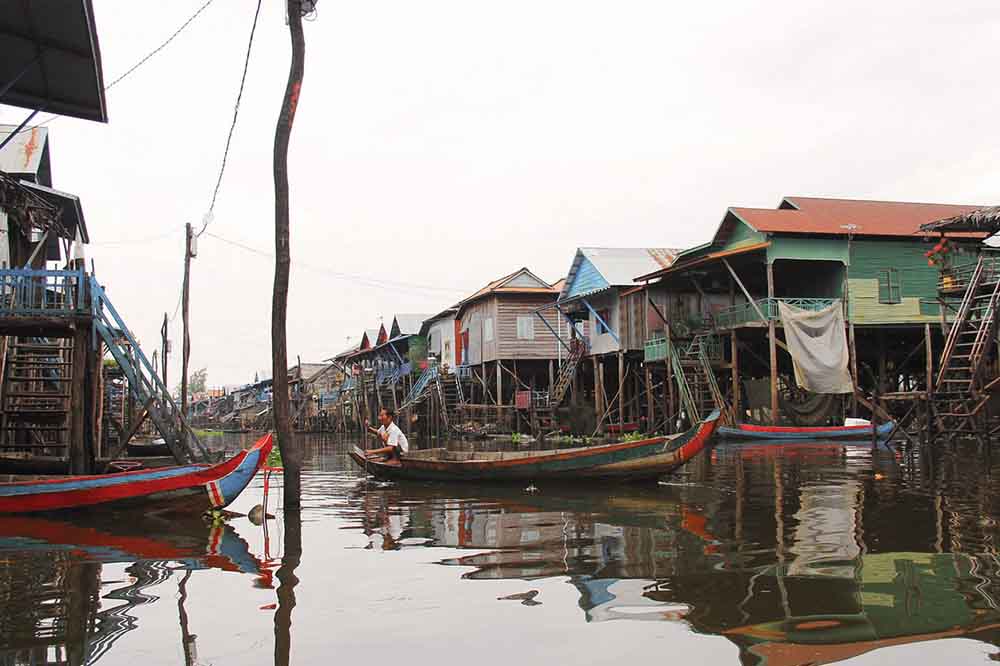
78 454
621 392
735 370
929 361
291 449
772 347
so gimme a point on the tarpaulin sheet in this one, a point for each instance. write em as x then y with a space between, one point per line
817 341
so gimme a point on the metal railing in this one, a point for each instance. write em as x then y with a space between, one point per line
659 348
746 313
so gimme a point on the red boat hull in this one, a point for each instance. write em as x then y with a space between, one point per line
188 488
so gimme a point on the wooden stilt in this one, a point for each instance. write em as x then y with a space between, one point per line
499 369
621 391
929 384
78 453
772 349
650 415
854 369
735 372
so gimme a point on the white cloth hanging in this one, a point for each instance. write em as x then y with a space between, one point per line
817 341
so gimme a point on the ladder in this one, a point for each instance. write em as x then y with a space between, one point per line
36 396
143 381
696 382
567 372
958 398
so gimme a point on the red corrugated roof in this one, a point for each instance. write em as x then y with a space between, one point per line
498 286
831 216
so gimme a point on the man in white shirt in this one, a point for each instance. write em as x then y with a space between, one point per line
395 441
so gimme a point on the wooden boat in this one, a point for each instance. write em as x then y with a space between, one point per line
198 487
748 431
147 449
625 461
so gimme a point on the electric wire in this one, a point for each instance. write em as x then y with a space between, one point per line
138 64
350 277
232 126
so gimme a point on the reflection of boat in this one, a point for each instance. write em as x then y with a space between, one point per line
148 449
626 461
130 537
188 487
61 563
749 431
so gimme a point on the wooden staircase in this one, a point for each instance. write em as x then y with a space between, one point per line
37 381
557 392
696 382
959 395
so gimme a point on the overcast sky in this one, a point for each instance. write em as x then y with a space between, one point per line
439 145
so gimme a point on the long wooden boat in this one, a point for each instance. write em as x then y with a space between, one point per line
748 431
186 488
625 461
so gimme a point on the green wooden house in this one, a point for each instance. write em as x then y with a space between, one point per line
812 252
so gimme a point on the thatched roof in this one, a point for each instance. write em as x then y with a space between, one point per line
982 219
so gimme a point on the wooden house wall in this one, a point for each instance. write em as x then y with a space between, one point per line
441 339
917 280
473 317
508 308
604 343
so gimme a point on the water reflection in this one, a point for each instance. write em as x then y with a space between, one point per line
798 556
52 610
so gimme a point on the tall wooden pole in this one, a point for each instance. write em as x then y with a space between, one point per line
185 300
163 349
291 449
772 347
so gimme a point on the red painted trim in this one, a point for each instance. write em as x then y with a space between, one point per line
50 501
750 427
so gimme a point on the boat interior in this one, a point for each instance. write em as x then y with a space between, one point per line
495 456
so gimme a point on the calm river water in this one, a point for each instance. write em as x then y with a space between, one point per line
779 556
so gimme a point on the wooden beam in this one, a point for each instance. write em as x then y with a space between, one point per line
772 340
750 299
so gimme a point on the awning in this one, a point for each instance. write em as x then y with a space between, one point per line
51 59
984 220
714 256
72 211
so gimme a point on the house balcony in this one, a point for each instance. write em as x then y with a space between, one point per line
746 314
28 292
658 349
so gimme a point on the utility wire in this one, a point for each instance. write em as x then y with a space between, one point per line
141 62
350 277
159 48
232 127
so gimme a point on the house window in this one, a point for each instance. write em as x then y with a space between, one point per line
488 330
602 317
888 286
526 328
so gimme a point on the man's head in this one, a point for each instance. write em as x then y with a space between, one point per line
385 416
